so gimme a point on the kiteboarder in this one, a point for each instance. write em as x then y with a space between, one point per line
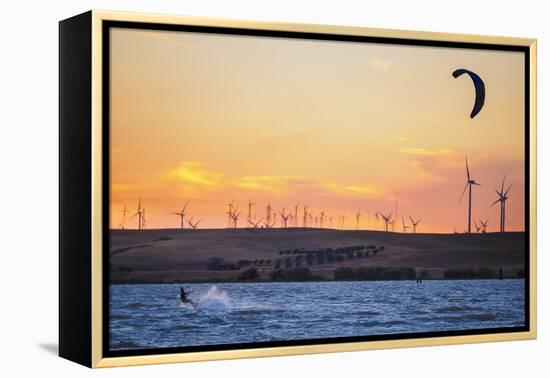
183 296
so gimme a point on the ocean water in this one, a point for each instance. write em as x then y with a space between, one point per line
151 316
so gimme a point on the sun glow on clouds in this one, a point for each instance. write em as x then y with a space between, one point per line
196 177
427 151
265 183
193 173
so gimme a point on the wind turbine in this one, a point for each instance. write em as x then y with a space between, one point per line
478 227
484 225
285 218
304 224
250 205
268 213
229 212
296 214
387 219
469 183
181 214
140 214
124 212
357 219
235 216
414 224
321 218
404 225
193 225
502 197
255 224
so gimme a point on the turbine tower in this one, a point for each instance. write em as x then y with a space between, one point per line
268 214
469 183
181 214
387 219
229 212
235 217
357 219
396 210
304 224
124 212
140 214
502 197
404 225
250 205
322 218
285 218
414 223
143 218
296 214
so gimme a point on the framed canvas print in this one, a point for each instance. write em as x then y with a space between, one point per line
235 189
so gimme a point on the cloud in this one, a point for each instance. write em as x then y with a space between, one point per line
193 173
432 164
266 183
427 151
196 179
353 190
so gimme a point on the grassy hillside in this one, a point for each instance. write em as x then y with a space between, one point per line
181 255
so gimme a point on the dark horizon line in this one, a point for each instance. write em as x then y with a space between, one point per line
316 229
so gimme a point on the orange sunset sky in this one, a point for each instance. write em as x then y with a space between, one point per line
339 126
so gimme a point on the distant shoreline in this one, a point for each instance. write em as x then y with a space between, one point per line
340 275
310 281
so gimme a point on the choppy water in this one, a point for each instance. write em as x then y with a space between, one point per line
151 316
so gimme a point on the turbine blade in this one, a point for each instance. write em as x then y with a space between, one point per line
464 191
507 190
467 169
502 187
494 203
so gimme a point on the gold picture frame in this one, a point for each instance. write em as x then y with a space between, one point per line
90 268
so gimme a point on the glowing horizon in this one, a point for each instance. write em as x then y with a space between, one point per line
341 127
